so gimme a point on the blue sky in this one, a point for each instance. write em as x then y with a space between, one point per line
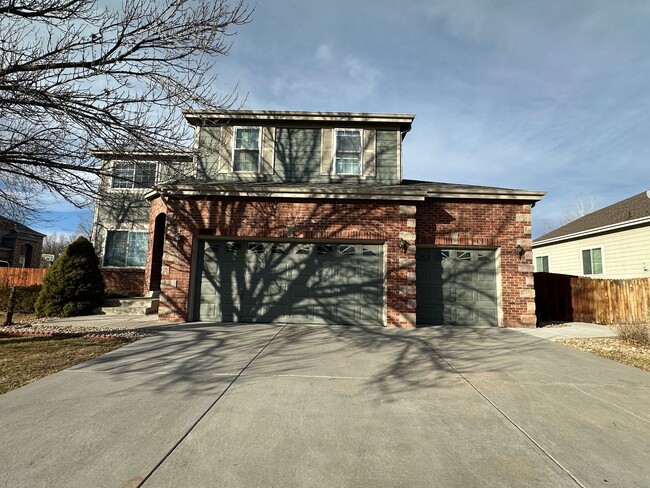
542 95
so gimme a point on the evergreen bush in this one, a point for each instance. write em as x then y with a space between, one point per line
26 297
74 284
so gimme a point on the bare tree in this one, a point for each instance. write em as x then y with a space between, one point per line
77 74
581 207
55 243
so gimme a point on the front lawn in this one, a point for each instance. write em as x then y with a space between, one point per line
26 359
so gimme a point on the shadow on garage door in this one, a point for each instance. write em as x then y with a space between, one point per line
295 282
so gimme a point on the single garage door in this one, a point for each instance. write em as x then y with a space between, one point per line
295 282
456 286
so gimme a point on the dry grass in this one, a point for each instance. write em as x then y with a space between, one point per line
617 349
633 332
26 359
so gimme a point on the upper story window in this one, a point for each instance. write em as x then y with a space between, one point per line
592 261
348 152
246 157
131 174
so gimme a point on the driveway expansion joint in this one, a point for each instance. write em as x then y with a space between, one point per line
207 410
504 415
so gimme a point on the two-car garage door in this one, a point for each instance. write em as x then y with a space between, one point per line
294 282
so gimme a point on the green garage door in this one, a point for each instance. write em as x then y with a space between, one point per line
456 286
294 282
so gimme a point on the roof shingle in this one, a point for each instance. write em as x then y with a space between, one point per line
632 208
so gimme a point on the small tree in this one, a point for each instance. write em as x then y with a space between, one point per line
74 284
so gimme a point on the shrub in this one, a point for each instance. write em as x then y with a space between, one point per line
122 294
26 297
73 285
634 332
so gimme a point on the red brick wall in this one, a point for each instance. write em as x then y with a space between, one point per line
477 223
488 223
124 279
274 218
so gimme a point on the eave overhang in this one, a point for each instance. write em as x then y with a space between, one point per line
223 117
592 232
395 192
118 154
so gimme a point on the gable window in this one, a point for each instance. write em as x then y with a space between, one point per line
133 174
592 261
541 264
125 249
348 152
247 150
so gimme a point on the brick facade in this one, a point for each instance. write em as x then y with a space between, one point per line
275 218
16 247
124 279
402 226
488 224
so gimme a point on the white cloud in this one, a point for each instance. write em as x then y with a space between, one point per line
332 77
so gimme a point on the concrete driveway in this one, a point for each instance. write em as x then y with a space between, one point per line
297 406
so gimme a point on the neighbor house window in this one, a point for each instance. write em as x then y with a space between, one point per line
125 249
134 174
592 261
541 264
247 150
348 152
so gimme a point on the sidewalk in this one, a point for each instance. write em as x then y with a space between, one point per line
569 330
110 322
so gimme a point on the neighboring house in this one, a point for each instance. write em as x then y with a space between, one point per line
278 216
613 242
20 246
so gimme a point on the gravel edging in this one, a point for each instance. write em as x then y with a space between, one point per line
43 329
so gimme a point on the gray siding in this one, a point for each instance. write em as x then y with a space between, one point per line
297 154
387 157
214 152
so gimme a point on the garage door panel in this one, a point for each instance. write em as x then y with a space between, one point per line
456 286
291 282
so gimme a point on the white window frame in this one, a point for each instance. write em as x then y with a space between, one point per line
131 181
548 263
235 149
334 152
602 260
126 258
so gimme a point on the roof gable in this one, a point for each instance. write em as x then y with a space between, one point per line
8 226
630 209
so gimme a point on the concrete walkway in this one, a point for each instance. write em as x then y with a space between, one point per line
570 330
267 405
108 322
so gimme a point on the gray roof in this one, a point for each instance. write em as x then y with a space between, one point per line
407 190
629 210
8 226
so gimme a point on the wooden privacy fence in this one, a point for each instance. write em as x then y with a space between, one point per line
576 298
21 276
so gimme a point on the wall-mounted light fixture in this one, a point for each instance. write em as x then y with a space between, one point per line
403 244
520 250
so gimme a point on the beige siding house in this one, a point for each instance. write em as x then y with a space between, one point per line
613 243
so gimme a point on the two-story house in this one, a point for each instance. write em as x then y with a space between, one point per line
278 216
